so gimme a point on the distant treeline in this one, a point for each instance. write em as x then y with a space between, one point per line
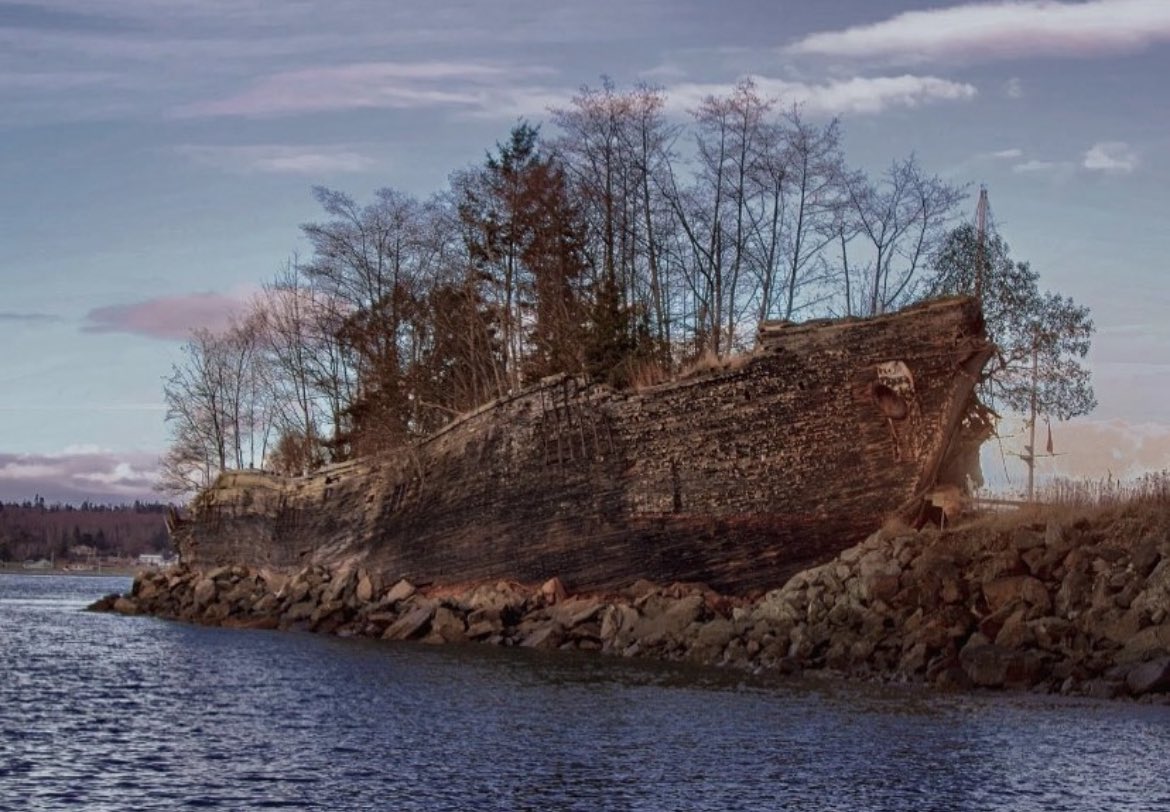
34 530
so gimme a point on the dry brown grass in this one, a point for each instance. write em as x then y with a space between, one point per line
1151 488
1108 502
1038 513
708 362
644 374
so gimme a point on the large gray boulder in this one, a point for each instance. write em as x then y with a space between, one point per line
1148 678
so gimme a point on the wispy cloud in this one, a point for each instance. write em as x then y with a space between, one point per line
1098 448
1113 157
51 81
79 474
369 85
1087 450
201 56
43 17
169 318
499 90
1001 30
857 95
1014 88
518 101
28 318
1035 166
1116 157
298 159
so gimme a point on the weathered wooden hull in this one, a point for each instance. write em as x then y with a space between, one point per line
736 478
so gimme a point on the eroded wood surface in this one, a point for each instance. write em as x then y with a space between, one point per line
736 478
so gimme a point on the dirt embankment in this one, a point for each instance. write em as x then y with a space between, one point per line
1076 604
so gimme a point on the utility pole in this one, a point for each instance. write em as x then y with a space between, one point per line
1031 456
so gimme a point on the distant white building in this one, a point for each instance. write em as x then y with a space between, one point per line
152 559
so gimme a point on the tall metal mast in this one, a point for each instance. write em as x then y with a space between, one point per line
980 241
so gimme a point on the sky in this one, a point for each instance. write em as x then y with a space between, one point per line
157 158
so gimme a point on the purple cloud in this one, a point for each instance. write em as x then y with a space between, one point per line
97 476
369 85
169 318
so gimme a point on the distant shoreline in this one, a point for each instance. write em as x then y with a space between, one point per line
17 569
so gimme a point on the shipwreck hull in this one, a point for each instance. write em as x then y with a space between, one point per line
736 478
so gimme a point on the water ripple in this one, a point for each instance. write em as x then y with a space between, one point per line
102 712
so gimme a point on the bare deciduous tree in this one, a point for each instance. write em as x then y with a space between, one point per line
616 249
614 145
803 182
219 406
899 220
370 262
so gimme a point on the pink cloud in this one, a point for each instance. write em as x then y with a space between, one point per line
368 85
1095 448
97 476
1001 30
1084 449
167 317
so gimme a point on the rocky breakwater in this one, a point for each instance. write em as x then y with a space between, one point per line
675 622
1079 605
1076 605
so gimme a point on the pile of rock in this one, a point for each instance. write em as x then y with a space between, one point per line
674 622
1079 607
1075 607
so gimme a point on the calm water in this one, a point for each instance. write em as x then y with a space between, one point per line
100 712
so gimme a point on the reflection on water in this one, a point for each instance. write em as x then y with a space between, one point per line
102 712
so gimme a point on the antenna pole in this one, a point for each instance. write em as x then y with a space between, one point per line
1032 429
980 240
